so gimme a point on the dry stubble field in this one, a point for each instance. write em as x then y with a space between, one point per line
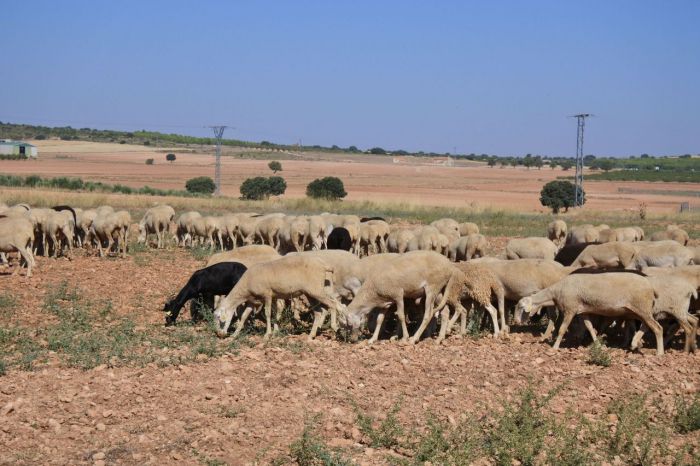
374 178
93 377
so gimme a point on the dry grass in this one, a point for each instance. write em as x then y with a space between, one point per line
493 222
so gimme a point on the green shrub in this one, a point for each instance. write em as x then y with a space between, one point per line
387 432
275 166
559 195
598 354
310 450
149 161
200 185
259 187
687 417
170 158
377 151
330 188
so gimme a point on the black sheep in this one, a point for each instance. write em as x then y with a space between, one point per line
215 280
568 254
339 239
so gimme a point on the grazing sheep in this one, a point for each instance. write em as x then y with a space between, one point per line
184 228
556 232
479 285
17 234
468 228
609 235
216 280
84 219
468 247
339 239
317 232
672 233
568 254
156 221
696 254
287 277
531 248
585 234
426 238
399 239
673 296
412 275
661 254
59 227
523 277
607 255
447 227
267 231
619 295
246 255
111 228
629 234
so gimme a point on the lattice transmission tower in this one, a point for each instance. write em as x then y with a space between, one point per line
578 179
219 133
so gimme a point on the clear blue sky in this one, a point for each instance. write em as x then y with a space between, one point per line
496 77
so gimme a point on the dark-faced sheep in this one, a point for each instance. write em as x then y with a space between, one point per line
216 280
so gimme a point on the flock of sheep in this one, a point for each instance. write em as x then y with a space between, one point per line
362 271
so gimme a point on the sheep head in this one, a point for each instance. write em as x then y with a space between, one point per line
524 307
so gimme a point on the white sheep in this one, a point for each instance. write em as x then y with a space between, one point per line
531 248
17 234
287 277
616 294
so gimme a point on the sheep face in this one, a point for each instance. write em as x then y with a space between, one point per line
142 235
524 307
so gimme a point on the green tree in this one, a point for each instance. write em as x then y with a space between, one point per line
200 185
559 195
170 158
606 165
353 149
377 150
329 187
537 162
259 187
492 163
566 164
275 166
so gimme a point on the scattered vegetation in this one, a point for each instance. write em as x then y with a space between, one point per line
329 188
387 433
524 431
77 184
670 176
559 195
310 450
687 417
260 187
150 161
598 354
200 185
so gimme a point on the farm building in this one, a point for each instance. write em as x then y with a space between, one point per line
17 149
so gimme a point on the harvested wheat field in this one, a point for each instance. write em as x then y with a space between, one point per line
366 177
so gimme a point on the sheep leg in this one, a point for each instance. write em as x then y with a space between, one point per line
568 317
268 317
241 321
658 331
693 332
590 328
494 318
401 314
444 322
27 256
319 318
427 315
377 327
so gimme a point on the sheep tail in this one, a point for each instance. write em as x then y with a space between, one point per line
328 280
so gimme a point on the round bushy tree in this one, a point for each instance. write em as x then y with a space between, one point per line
262 188
170 158
559 195
329 187
200 185
275 166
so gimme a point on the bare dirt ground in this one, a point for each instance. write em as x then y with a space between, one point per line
247 404
373 178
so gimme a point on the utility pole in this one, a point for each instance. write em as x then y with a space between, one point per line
580 125
219 133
